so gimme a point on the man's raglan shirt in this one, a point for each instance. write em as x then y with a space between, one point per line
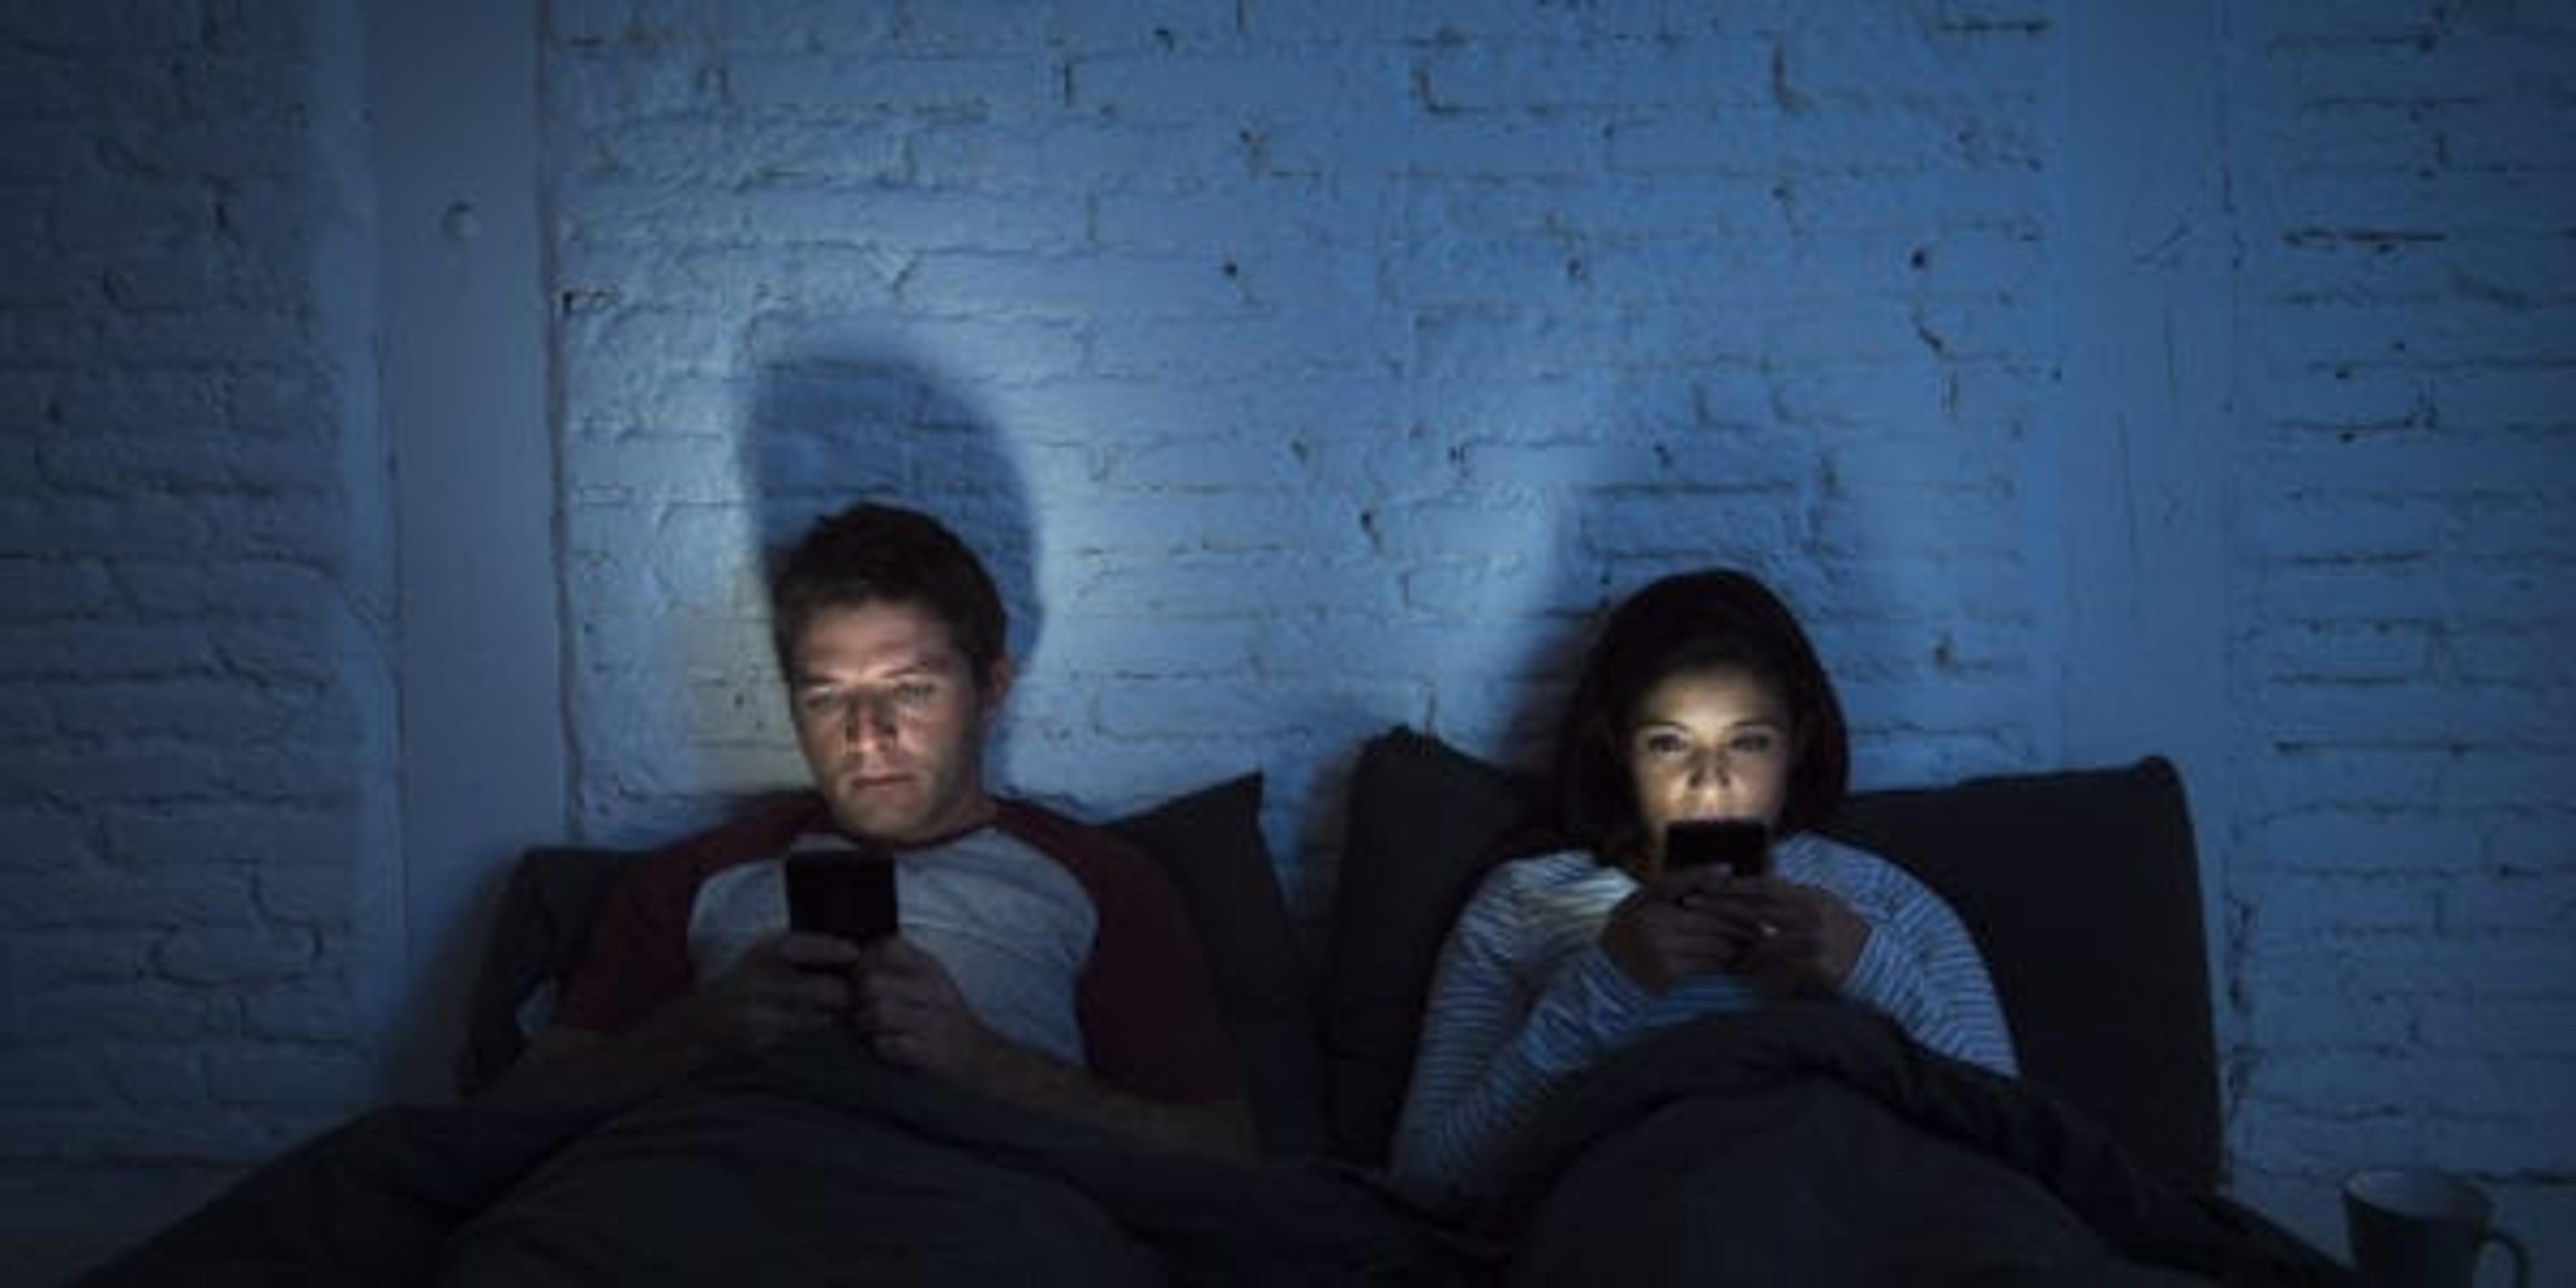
1062 939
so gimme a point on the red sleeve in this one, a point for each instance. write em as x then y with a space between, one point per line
1149 1017
637 960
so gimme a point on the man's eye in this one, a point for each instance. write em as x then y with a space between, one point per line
915 692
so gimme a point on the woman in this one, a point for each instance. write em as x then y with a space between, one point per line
1701 700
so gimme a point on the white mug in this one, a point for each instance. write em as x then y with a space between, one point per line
2417 1228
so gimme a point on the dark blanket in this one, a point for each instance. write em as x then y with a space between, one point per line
1808 1144
1816 1144
816 1165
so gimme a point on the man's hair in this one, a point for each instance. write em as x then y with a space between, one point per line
1689 622
873 553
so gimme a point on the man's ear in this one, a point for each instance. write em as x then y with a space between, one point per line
995 688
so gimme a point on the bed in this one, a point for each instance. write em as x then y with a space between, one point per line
1745 1149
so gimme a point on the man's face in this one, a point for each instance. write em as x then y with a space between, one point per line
892 721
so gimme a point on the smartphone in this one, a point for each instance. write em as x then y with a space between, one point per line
1742 844
849 893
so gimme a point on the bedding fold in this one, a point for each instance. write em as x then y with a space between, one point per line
1813 1143
815 1163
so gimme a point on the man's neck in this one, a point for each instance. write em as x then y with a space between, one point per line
972 816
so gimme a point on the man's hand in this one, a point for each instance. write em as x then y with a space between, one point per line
1792 940
908 1008
1664 931
785 984
788 983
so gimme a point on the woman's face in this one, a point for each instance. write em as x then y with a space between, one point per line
1708 743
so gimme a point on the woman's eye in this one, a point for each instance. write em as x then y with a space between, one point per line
1664 744
1754 744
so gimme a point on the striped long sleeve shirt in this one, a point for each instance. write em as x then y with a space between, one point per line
1525 997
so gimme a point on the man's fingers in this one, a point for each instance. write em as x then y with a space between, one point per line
891 985
884 1002
812 950
763 1022
896 955
818 990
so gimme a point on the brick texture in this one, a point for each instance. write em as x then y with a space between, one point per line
193 792
1306 368
2405 883
1326 371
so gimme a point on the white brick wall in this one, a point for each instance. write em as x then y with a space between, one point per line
194 799
1327 368
1313 367
2404 886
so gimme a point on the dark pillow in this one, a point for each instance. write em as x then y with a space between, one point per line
1425 822
536 940
2083 892
1209 842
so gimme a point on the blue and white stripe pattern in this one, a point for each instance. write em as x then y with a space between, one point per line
1525 997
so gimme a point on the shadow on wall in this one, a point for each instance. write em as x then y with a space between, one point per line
839 415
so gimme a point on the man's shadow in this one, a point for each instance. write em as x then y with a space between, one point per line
837 416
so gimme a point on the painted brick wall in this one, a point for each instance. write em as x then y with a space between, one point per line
1327 366
1309 367
2403 887
1324 364
193 705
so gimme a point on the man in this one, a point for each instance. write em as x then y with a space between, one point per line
1037 961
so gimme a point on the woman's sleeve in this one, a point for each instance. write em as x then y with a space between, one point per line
1489 1048
1920 966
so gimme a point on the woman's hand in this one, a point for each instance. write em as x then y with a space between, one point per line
1665 931
1793 940
1787 940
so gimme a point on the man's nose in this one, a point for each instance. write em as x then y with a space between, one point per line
868 719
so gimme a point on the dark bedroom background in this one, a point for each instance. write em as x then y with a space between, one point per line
397 396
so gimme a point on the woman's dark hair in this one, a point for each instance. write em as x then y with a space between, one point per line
1688 622
873 553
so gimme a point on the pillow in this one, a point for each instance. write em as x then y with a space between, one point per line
1209 842
2082 889
536 940
1425 822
